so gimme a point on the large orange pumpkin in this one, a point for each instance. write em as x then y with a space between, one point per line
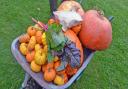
96 32
76 29
73 37
69 5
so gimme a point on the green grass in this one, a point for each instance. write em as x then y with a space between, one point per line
107 70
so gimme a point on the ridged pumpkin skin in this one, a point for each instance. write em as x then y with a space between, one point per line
39 37
31 31
73 37
49 75
70 71
35 67
30 56
68 5
47 66
24 38
96 32
76 29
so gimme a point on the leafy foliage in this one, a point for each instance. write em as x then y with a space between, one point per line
55 39
71 54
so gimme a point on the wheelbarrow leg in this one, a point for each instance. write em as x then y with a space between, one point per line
26 78
53 6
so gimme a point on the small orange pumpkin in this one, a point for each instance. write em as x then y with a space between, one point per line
31 31
24 38
49 75
30 56
51 21
32 43
50 65
44 67
38 37
47 66
76 29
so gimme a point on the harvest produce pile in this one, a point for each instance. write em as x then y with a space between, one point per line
56 48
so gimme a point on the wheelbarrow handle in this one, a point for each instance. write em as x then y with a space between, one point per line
53 6
110 18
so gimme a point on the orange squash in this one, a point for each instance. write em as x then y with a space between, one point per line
47 66
32 43
30 56
73 37
50 65
51 21
39 37
49 75
76 29
31 31
44 67
24 38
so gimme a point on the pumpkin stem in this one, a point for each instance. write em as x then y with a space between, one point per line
43 26
100 12
49 69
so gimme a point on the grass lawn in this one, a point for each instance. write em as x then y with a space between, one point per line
107 70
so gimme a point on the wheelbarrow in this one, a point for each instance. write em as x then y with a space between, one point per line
35 80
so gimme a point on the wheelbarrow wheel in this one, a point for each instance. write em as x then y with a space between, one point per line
31 84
